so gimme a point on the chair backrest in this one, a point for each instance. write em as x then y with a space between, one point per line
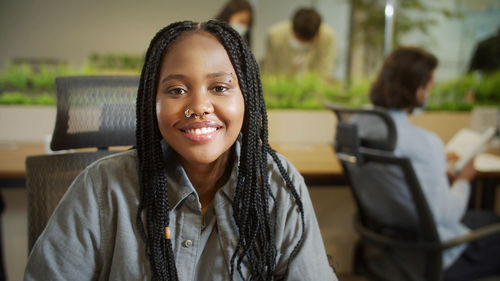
92 112
95 111
388 195
47 179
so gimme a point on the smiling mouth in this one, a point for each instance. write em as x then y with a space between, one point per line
201 134
201 131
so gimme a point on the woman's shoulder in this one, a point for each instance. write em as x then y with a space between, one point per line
409 132
418 141
429 137
285 163
117 167
121 159
277 176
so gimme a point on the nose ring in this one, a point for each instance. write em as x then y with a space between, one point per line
196 116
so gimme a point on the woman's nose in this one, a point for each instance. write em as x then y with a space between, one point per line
201 104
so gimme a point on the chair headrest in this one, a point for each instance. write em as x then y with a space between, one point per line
375 128
95 111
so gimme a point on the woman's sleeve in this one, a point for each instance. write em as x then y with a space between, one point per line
68 248
310 262
448 203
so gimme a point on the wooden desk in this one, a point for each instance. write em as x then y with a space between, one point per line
485 185
12 164
13 160
316 162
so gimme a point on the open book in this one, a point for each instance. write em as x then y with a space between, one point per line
468 143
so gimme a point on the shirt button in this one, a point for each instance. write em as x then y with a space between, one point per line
188 243
191 197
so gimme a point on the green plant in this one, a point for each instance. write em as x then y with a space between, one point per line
24 84
465 92
15 77
487 90
310 92
24 78
107 62
27 99
307 92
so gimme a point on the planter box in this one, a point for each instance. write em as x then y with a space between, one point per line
301 126
34 123
26 123
318 126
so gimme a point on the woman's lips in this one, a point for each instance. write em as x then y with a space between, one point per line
201 131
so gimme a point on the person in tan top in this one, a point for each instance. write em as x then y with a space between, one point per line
302 45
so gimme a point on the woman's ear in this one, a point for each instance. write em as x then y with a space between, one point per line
421 95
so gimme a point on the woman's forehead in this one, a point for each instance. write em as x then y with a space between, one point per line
196 48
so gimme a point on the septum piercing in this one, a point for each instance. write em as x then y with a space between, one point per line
196 116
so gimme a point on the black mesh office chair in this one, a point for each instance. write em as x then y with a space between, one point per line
92 112
397 241
95 111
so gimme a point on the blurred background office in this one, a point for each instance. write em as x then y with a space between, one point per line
102 37
71 31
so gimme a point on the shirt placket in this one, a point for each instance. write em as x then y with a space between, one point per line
189 238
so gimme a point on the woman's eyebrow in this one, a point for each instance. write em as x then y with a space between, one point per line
219 74
173 76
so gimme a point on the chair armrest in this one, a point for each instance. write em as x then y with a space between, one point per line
384 240
473 235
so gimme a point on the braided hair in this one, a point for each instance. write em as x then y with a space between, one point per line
252 198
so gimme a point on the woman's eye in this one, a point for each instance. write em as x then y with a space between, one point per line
220 89
176 91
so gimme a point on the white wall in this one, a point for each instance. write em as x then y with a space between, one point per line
71 30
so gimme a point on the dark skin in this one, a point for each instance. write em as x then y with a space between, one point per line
200 110
468 173
206 181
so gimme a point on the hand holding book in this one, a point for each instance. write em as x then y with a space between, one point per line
466 144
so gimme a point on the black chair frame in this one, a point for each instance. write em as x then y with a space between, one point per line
353 151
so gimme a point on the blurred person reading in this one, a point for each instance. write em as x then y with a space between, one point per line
404 84
304 44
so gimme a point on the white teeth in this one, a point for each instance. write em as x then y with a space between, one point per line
201 131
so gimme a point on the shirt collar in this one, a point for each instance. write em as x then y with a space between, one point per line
398 115
179 185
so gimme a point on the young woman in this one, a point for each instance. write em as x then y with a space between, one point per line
203 197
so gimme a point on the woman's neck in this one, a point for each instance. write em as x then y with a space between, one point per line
208 178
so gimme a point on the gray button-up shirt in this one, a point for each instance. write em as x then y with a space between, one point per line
93 234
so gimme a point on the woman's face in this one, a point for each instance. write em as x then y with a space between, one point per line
197 75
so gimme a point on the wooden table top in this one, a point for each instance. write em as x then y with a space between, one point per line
311 160
13 157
